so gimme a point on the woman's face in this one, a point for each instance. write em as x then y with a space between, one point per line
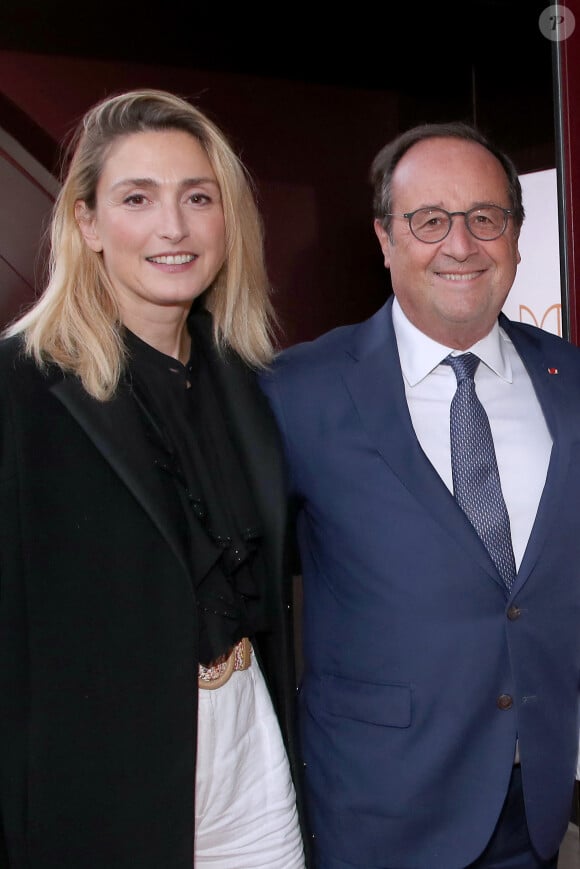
158 222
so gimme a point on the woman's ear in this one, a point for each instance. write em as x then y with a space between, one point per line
87 224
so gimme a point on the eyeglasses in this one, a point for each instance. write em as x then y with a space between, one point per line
484 222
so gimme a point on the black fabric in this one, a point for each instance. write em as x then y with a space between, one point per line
98 613
187 426
510 845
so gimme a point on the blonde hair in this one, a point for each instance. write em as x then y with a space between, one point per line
75 323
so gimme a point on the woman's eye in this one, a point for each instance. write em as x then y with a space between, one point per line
199 198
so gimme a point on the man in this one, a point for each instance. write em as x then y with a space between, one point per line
438 706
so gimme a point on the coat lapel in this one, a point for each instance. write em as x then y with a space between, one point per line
255 434
375 383
117 432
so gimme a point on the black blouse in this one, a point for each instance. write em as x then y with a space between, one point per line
187 425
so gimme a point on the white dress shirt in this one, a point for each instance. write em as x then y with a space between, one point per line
522 441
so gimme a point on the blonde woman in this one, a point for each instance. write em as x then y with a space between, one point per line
146 662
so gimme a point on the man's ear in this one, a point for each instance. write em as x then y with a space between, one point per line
87 224
384 241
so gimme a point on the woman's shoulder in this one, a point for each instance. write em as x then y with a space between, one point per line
12 352
16 364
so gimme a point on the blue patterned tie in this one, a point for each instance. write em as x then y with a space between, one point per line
476 483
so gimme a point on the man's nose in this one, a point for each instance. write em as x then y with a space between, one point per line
459 242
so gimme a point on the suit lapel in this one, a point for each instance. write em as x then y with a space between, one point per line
553 392
116 430
375 383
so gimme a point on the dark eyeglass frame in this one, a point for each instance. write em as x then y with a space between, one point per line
409 215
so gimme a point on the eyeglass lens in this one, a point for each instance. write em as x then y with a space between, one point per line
485 222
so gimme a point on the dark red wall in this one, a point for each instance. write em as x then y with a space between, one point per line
308 147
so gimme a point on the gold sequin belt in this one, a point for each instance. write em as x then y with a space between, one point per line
220 671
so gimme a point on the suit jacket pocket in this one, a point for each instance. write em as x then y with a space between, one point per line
388 705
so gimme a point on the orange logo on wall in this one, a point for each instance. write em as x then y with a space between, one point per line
551 319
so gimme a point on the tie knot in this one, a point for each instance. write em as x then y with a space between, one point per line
464 366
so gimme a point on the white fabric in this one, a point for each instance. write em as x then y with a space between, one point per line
245 812
522 441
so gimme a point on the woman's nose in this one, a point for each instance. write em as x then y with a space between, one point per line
172 222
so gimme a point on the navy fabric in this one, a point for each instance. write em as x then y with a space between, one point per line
411 639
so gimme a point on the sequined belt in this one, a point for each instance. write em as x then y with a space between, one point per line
218 674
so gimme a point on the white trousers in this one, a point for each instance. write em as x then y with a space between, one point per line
245 809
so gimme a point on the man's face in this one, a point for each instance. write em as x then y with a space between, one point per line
454 289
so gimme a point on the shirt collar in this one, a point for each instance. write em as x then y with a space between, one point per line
420 355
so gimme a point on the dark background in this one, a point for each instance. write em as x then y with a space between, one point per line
423 47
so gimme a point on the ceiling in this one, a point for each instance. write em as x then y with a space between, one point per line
388 45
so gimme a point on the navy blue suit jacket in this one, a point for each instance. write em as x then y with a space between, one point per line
410 636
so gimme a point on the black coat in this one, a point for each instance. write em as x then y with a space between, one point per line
98 634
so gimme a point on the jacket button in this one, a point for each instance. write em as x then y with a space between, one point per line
514 613
505 701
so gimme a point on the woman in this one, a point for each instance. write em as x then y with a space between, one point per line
144 599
